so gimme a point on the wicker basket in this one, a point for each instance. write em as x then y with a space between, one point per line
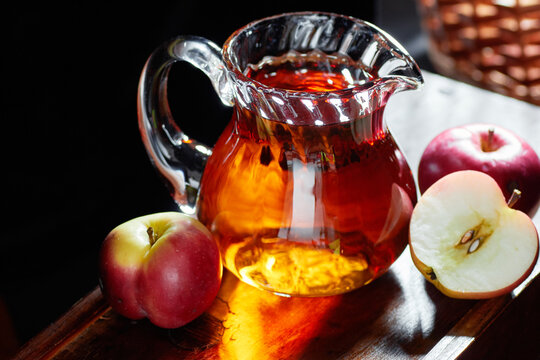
494 44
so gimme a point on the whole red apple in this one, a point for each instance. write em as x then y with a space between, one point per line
163 266
491 149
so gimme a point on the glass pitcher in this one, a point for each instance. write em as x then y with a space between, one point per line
306 191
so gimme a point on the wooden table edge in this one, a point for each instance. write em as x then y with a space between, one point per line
461 337
80 316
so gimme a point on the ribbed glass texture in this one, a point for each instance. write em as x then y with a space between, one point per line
378 65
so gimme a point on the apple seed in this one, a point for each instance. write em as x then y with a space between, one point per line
467 237
474 245
475 236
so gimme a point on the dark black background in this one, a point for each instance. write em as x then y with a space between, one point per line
73 158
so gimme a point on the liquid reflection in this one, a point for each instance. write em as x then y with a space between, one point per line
260 325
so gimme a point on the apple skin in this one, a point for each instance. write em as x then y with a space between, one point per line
508 159
171 280
491 207
426 271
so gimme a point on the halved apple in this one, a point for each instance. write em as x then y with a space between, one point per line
467 241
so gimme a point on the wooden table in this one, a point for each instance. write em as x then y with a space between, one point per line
398 316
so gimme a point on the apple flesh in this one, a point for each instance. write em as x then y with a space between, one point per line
163 266
467 241
491 149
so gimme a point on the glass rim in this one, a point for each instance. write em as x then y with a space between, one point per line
235 69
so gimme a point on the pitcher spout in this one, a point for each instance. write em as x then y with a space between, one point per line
389 63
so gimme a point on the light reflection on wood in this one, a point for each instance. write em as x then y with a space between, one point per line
261 325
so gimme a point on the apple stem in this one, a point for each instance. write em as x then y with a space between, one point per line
491 131
486 146
516 194
151 235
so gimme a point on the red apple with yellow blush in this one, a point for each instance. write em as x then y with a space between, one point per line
165 267
491 149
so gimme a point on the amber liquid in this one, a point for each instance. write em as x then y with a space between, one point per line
306 210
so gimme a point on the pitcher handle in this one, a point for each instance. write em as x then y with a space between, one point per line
179 159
